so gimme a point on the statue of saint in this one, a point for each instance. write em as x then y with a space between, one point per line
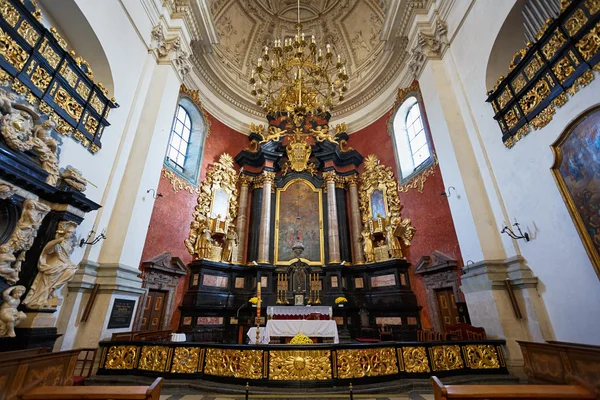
9 315
204 242
55 268
368 247
230 244
393 243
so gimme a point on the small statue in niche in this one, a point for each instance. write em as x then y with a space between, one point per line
204 242
393 243
368 247
230 245
55 267
9 315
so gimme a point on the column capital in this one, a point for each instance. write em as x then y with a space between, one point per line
268 177
330 176
351 180
171 49
246 180
429 43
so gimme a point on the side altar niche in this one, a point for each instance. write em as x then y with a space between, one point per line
300 222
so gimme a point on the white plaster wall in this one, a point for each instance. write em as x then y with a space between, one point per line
568 285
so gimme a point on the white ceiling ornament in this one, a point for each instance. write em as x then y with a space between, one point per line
374 58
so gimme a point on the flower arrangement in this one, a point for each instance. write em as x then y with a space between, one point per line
301 339
253 300
341 300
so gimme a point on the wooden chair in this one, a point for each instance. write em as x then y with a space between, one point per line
507 392
151 392
466 332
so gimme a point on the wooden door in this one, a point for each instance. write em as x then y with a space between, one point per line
448 311
153 311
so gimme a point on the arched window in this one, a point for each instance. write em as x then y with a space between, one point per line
411 141
186 143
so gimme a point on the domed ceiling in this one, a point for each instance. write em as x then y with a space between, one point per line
244 27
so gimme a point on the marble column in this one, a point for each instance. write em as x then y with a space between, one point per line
355 224
265 218
332 220
242 217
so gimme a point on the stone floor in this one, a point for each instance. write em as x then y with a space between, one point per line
408 396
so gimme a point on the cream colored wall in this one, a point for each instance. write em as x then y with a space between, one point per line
518 181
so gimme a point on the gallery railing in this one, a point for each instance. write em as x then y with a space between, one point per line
322 365
541 75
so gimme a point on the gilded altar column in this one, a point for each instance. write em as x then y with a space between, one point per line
242 217
355 223
265 218
332 220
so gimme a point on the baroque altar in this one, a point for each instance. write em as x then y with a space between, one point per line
292 214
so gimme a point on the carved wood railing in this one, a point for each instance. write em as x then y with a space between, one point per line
541 76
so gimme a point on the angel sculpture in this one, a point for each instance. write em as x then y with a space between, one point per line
9 315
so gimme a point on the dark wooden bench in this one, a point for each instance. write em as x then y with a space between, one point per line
151 392
506 392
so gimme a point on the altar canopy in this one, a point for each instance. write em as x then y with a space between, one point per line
290 328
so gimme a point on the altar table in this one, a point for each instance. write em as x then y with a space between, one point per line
290 328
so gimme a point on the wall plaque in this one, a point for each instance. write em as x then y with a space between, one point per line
121 314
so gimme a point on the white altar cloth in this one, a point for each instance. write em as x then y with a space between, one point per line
299 310
290 328
178 337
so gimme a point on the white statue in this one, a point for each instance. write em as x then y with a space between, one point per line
9 315
55 268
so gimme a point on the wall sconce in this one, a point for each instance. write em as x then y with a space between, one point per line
93 241
512 234
448 192
154 194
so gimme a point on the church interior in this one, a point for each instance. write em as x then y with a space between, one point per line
371 199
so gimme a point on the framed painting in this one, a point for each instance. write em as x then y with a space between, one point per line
378 202
576 170
299 216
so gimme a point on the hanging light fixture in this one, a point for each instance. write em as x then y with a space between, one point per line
295 77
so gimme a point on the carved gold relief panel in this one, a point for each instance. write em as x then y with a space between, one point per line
366 362
415 359
446 358
235 363
121 357
154 358
481 356
300 365
185 360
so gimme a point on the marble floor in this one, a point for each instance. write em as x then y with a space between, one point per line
408 396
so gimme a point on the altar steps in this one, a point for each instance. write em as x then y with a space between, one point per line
199 386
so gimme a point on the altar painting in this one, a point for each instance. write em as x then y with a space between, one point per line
298 218
577 172
378 206
220 204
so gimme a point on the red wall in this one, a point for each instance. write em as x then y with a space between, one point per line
170 222
429 211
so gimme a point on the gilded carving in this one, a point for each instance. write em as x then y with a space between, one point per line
379 183
41 78
481 356
517 84
300 365
366 362
178 183
593 6
49 54
68 103
55 268
415 359
534 96
153 358
9 13
28 33
73 178
298 152
589 44
121 357
10 316
446 358
216 209
235 363
21 239
533 67
12 52
185 360
553 45
575 22
563 69
418 182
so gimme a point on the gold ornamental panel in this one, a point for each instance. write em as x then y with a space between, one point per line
246 364
300 365
121 357
9 13
366 362
153 358
415 359
481 356
28 33
11 51
446 358
185 360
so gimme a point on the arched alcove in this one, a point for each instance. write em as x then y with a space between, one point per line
510 39
72 24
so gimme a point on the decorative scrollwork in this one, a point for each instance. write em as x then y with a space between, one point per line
153 358
300 365
178 183
121 357
366 362
418 182
481 356
185 360
245 364
415 359
446 358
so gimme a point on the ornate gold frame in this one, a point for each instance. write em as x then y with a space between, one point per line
370 191
321 236
564 191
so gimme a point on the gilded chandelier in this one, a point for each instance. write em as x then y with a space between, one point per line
294 77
